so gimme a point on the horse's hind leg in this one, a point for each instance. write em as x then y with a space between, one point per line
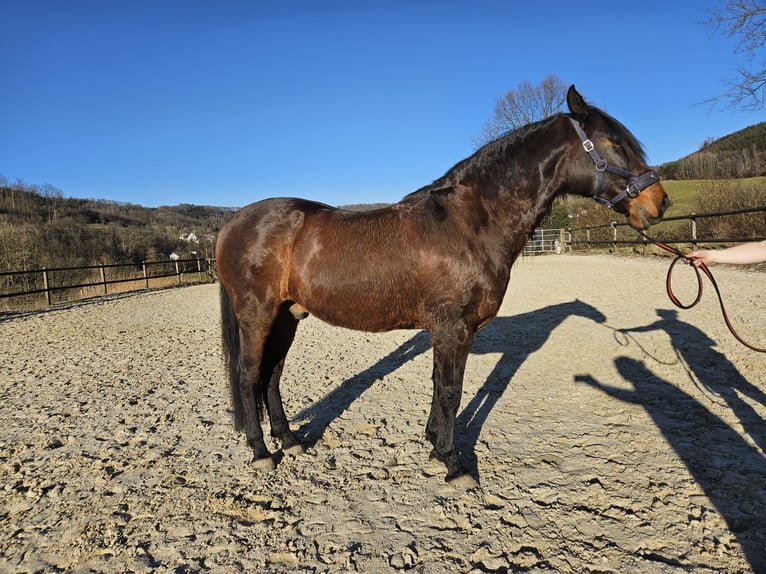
277 345
253 342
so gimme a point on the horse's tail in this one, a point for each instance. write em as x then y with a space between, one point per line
231 357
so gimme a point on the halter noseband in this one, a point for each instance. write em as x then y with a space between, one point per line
636 183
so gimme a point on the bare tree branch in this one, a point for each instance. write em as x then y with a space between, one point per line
744 20
523 105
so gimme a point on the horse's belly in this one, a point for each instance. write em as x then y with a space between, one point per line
365 309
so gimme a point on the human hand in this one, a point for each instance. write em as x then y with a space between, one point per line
701 256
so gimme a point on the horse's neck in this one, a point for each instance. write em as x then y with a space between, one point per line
531 179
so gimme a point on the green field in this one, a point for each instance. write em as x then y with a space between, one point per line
684 193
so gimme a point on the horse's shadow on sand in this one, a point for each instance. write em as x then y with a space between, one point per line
514 338
730 470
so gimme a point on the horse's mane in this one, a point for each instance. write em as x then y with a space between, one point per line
488 154
629 142
485 155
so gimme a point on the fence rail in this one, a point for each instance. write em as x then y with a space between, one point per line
60 284
582 236
547 241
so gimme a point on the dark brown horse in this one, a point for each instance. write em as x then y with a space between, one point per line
440 260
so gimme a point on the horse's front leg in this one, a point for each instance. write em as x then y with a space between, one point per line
450 355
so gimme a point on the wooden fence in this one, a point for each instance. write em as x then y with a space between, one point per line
36 288
615 234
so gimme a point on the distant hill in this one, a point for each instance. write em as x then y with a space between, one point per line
41 228
737 155
363 206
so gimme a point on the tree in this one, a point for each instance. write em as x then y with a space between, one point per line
744 20
523 105
558 218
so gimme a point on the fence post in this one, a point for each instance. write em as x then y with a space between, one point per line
178 273
587 238
694 229
199 270
45 286
103 279
146 277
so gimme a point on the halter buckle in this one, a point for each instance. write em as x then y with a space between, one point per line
633 188
588 145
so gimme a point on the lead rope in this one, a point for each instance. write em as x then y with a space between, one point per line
690 260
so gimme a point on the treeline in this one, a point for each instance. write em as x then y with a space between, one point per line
735 156
41 228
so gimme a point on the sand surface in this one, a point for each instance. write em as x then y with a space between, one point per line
608 432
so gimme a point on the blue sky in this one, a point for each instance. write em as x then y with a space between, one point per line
160 102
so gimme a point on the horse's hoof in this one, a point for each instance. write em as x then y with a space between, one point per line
462 481
298 311
295 449
264 464
433 467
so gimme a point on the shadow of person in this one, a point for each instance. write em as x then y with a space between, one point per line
730 471
514 338
711 370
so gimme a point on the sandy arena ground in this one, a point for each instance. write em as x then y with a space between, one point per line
609 433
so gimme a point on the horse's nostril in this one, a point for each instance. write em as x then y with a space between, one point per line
665 204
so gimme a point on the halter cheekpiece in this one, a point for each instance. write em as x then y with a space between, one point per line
636 183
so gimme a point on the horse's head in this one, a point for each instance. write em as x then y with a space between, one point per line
616 164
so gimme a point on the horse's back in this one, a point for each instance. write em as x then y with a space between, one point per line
268 218
262 215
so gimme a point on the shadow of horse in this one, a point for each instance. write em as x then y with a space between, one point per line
730 471
514 338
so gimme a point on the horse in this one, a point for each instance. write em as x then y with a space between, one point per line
438 260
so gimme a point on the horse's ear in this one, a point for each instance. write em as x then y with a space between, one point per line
577 106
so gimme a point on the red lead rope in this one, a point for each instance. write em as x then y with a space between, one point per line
691 261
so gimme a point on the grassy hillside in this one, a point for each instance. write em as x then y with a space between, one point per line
686 194
39 227
750 137
741 154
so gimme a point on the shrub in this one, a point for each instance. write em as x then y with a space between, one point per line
724 195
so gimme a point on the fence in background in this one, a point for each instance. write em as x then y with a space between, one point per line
49 286
615 234
547 241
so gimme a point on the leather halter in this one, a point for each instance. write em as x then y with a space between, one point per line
636 183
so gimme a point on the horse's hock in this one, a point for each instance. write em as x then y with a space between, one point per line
610 433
